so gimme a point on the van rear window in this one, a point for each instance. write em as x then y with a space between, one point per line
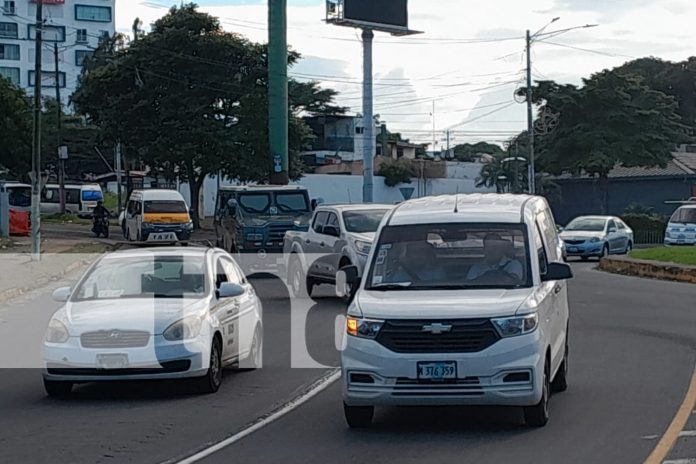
92 195
165 206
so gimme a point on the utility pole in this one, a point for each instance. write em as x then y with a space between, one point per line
447 155
36 145
278 90
530 118
434 142
368 117
61 161
117 164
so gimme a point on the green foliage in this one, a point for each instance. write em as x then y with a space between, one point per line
396 172
469 151
638 209
645 222
679 255
15 130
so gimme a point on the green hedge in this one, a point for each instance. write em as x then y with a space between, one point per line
645 222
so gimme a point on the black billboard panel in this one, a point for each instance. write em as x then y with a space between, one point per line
387 12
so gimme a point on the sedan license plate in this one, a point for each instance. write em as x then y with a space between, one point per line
573 249
162 237
112 361
437 370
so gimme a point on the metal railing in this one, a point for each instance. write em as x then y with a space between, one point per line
648 237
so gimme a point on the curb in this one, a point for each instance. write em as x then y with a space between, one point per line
651 269
10 293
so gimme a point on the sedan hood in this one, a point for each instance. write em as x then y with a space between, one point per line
441 304
146 314
580 234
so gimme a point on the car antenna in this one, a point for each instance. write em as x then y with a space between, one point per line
456 201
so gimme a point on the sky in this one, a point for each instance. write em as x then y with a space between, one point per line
469 59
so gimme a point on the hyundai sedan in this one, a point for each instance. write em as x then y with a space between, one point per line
164 313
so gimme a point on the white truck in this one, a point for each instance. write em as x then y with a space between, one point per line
338 236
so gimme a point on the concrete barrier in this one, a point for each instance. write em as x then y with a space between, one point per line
652 269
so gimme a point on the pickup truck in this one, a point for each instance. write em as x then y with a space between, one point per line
338 236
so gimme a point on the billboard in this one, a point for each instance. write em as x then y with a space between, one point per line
386 12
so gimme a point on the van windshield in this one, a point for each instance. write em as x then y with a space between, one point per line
20 197
450 256
165 206
684 216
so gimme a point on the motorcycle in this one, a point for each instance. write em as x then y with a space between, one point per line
101 226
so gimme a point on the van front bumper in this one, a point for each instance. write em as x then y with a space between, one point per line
376 376
182 231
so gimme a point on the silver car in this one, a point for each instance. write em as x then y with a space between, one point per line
597 236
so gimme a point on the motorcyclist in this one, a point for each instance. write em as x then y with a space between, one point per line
99 212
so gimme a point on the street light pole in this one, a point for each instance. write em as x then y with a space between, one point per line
530 118
36 142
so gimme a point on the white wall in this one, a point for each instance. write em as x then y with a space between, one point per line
348 189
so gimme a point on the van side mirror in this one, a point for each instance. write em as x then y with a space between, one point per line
557 271
347 282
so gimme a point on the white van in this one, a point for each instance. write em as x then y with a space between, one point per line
20 194
80 199
463 302
681 229
159 216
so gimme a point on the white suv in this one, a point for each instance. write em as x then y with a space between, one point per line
464 301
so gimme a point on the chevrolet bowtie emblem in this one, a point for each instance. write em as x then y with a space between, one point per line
436 328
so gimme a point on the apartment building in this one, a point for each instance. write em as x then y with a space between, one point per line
75 26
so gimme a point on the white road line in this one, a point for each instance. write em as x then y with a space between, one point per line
316 388
680 461
687 433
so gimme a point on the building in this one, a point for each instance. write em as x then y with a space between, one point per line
654 187
75 26
338 138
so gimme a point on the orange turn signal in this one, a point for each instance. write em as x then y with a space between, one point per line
352 326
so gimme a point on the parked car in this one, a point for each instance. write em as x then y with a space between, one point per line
597 236
156 216
681 229
163 313
463 301
80 199
339 236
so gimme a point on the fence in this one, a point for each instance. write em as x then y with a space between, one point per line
648 237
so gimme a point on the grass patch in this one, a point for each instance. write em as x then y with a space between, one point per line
679 255
57 218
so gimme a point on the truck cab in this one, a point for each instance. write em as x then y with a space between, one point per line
254 219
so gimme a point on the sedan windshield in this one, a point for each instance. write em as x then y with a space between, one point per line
450 256
587 224
360 222
154 276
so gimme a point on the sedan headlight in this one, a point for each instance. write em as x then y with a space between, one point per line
514 326
595 240
363 247
185 329
56 332
363 328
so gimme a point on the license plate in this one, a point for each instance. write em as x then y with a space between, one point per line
681 241
572 249
112 361
162 237
437 370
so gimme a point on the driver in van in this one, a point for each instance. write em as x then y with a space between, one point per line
416 262
498 257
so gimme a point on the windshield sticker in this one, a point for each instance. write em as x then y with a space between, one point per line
380 258
382 253
377 280
110 293
386 246
274 210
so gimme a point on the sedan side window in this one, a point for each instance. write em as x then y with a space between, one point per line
319 220
233 275
611 225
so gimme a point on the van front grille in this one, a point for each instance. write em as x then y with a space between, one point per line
448 336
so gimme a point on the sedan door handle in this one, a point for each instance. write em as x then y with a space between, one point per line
308 241
322 244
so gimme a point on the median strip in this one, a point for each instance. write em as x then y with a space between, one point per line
626 265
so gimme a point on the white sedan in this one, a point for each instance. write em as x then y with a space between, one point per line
164 313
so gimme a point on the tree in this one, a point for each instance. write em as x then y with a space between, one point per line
15 130
190 99
614 119
396 172
469 151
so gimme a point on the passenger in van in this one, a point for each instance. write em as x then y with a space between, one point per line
498 258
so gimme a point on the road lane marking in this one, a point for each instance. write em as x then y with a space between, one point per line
670 437
680 461
317 387
687 433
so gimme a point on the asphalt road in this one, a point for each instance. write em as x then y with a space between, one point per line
632 357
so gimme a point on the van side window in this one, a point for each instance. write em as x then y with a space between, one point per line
541 251
138 208
548 228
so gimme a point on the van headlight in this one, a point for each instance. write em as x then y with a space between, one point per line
518 325
185 329
363 328
363 247
56 332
